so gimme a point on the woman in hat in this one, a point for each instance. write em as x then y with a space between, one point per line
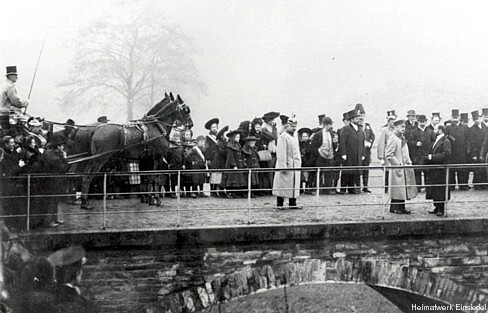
234 160
265 156
307 177
251 160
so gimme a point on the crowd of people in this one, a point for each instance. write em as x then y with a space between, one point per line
266 142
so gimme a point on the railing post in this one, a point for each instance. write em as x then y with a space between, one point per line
317 187
383 197
249 196
178 198
447 190
28 201
104 206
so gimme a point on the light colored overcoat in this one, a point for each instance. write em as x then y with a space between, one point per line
401 180
286 184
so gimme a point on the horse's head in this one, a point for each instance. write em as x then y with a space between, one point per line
183 115
161 104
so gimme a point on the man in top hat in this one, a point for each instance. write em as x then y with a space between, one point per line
10 99
386 133
476 137
422 140
435 121
484 122
351 149
286 184
269 136
464 119
458 135
323 148
212 154
368 144
346 122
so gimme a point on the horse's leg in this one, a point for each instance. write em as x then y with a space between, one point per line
95 167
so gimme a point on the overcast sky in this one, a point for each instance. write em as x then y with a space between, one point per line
302 57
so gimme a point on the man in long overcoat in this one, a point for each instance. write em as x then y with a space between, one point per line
402 180
439 154
475 140
286 184
385 134
422 139
212 154
458 135
351 147
322 149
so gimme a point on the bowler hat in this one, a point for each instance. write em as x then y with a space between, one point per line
304 130
352 114
209 124
422 118
11 70
464 117
68 256
103 119
222 131
284 119
250 138
455 113
57 140
411 112
271 115
328 121
475 114
345 116
234 132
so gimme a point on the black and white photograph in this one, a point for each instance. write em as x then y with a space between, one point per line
245 156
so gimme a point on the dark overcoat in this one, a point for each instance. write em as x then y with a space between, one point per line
212 152
476 136
251 159
425 137
234 160
441 154
197 163
459 143
351 144
315 143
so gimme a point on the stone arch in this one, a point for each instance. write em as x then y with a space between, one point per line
400 277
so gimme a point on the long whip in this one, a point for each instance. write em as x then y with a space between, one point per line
35 71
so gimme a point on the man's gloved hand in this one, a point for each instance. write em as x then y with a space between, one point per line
21 163
344 157
419 143
382 162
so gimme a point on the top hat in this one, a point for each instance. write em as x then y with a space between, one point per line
271 115
411 112
391 114
464 117
234 132
321 117
475 114
222 131
304 130
209 124
359 107
455 113
103 119
284 119
436 114
421 118
11 70
484 111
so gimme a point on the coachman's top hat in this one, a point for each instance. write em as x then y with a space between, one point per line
11 70
455 113
475 115
464 117
209 124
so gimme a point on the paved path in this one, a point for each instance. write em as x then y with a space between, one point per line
226 212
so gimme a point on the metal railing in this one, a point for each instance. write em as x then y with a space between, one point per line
30 185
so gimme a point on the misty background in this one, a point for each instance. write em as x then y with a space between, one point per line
251 57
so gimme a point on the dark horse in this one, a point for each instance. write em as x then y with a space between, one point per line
150 134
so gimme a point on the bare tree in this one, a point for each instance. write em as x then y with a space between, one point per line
129 63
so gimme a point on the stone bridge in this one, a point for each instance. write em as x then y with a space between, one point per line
143 272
